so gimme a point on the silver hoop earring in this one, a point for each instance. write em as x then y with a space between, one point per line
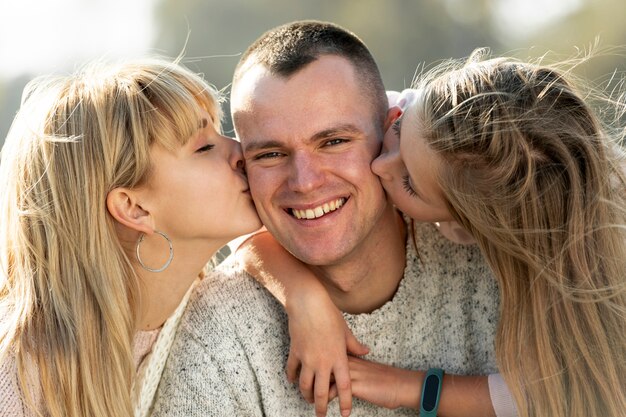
169 259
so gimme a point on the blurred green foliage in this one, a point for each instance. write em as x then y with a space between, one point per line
403 35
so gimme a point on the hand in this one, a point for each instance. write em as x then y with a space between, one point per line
320 340
389 387
384 385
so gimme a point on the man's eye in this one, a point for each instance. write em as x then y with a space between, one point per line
205 148
336 141
267 155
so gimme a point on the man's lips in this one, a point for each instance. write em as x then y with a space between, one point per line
317 211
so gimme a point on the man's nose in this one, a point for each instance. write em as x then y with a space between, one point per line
306 173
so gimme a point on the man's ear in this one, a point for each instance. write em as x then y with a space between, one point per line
392 115
124 206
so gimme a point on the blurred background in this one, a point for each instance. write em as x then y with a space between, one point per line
44 36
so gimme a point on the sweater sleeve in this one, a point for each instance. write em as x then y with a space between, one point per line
11 404
501 398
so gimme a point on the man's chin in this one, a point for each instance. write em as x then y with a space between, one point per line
318 248
317 256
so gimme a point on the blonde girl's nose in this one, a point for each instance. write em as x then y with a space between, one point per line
235 156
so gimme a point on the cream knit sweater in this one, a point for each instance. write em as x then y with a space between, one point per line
230 352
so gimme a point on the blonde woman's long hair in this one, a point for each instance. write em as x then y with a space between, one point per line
68 293
533 174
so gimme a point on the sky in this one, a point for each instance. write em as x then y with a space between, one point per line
40 36
515 19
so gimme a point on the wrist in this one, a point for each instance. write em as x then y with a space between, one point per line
410 390
431 392
307 296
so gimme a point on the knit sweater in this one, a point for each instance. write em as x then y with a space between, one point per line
231 348
150 351
12 404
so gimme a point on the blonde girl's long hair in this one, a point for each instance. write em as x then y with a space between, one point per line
532 173
68 293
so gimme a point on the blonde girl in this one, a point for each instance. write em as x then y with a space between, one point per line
513 153
116 189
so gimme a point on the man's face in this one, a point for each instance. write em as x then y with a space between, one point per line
308 142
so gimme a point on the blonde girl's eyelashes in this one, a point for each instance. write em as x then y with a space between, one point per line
205 148
406 182
396 126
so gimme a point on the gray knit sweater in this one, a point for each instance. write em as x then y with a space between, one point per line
230 354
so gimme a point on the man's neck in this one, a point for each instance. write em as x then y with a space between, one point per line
369 277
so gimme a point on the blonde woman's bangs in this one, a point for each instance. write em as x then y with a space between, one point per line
180 97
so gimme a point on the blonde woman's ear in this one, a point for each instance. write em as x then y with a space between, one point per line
125 208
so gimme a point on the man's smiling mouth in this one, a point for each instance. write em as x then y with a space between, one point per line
319 211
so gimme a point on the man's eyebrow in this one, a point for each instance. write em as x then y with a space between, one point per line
259 145
347 129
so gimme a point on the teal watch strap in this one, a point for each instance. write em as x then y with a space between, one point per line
431 390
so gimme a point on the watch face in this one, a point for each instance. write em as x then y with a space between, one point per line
431 387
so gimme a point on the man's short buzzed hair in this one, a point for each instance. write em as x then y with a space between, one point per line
289 48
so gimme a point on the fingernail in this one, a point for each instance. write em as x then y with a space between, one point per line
345 413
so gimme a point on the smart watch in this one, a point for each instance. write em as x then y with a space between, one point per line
431 390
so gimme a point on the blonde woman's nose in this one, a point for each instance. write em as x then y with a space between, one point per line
389 159
383 165
235 157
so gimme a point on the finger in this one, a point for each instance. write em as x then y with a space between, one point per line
293 367
343 386
355 362
306 384
322 384
354 346
332 392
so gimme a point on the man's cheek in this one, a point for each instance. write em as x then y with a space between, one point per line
260 189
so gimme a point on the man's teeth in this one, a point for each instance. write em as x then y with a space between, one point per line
319 211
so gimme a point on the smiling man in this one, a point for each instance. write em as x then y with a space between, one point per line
310 109
299 164
309 135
